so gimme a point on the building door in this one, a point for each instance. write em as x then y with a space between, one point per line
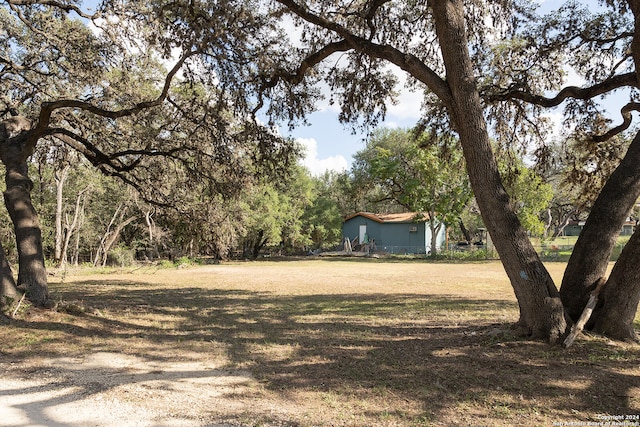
363 232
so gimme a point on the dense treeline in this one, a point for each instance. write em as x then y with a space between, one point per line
90 218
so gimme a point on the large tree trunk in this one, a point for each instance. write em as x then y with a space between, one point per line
618 306
16 145
590 257
32 274
541 312
9 294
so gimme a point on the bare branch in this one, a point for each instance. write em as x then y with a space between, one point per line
615 82
66 7
49 107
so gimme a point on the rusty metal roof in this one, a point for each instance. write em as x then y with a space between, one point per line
407 217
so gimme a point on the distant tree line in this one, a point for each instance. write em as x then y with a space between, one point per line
90 218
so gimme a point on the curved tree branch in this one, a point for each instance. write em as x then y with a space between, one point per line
615 82
405 61
625 112
53 3
113 160
306 64
82 145
48 108
582 93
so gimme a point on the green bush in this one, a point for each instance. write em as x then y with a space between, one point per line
183 260
165 263
121 256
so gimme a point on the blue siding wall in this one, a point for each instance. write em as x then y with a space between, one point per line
396 235
350 228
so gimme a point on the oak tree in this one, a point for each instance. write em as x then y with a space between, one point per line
493 68
131 99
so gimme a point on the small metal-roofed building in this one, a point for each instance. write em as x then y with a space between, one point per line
396 233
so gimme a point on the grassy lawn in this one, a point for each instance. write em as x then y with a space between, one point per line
321 343
560 248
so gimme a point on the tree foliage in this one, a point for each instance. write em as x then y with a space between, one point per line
417 173
530 195
323 217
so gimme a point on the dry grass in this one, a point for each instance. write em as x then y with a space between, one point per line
330 343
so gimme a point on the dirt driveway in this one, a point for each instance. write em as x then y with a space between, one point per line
115 390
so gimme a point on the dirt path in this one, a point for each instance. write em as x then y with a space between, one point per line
115 390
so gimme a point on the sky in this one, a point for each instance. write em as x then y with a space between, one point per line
331 145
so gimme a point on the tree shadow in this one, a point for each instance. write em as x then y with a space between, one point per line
411 357
43 402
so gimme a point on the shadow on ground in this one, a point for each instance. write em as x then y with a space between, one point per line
381 359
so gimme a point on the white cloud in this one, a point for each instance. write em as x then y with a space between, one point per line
557 123
409 101
572 78
318 166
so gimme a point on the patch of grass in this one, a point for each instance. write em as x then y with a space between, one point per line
342 342
613 354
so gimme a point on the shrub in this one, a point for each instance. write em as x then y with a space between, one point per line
121 256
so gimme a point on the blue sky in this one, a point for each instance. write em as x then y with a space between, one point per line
331 145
